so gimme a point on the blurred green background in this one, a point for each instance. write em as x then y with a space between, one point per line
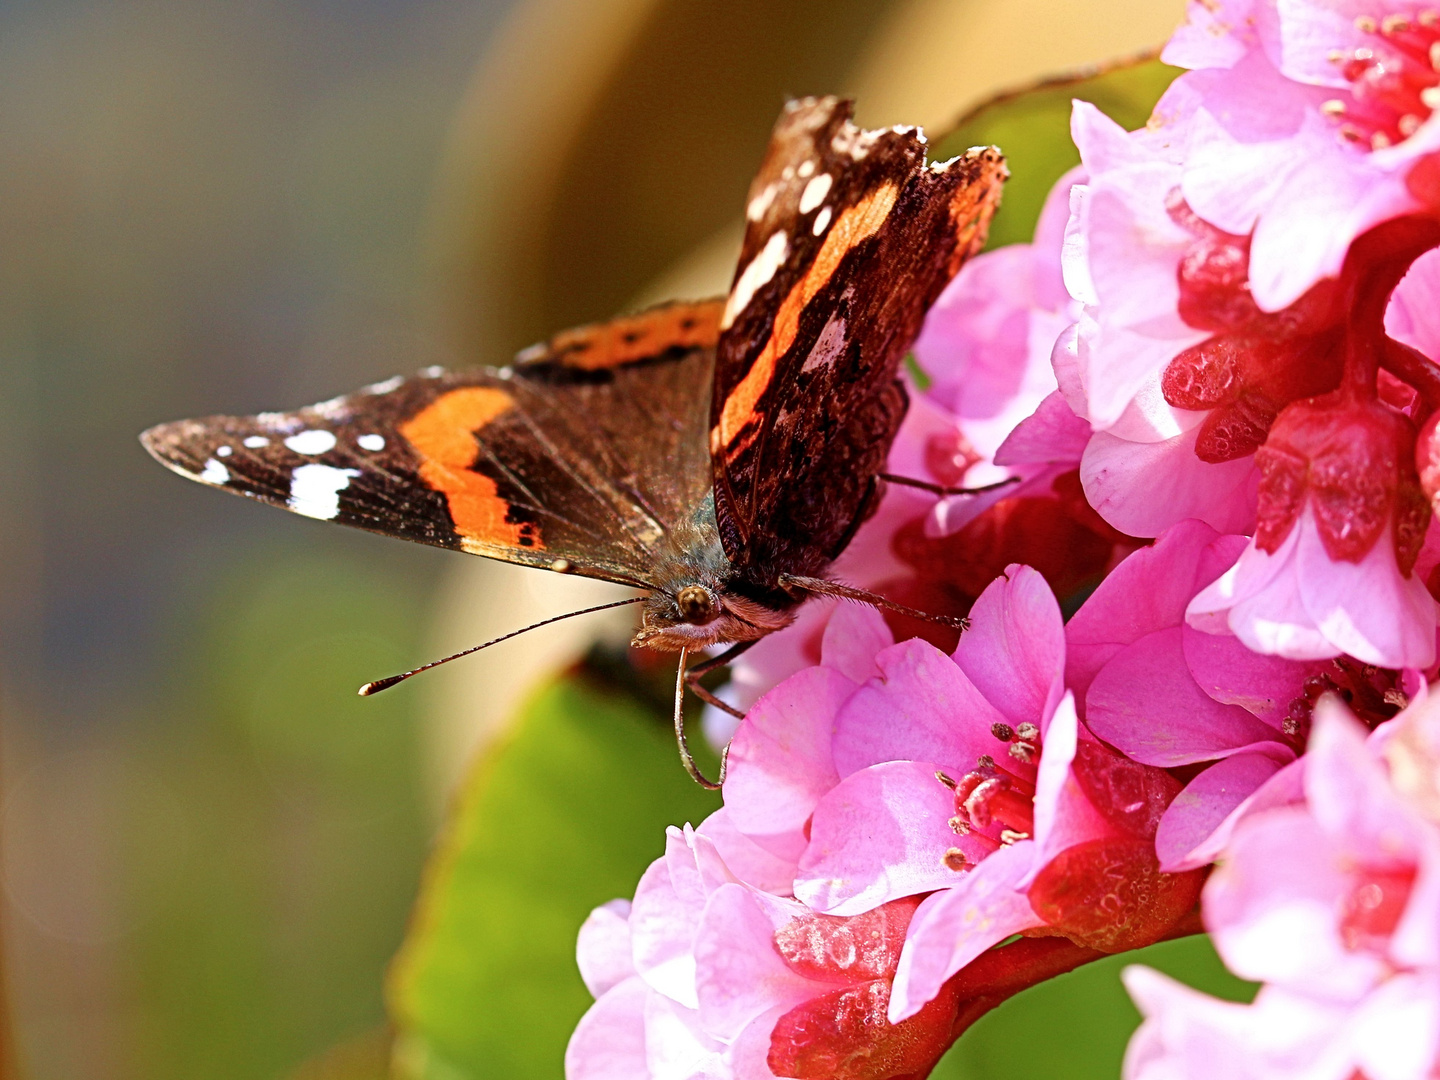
209 847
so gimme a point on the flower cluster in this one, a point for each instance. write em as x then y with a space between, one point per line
1333 902
1211 381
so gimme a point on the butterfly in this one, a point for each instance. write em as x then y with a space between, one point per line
716 454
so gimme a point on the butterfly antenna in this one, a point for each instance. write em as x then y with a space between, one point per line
686 759
821 587
384 684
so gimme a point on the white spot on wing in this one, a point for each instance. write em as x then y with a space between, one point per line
315 490
214 472
314 441
822 221
254 442
757 206
815 192
434 371
761 269
371 442
805 169
223 451
385 387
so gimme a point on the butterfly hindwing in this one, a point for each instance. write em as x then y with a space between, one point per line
580 456
849 238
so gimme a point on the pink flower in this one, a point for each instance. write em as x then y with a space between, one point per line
1304 124
638 960
1334 902
1298 423
899 772
707 976
986 348
1282 1035
1168 695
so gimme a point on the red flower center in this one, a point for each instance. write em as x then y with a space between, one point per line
1372 910
1394 79
1256 362
842 1032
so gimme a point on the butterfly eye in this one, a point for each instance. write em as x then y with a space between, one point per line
696 604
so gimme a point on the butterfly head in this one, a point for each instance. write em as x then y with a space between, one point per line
694 614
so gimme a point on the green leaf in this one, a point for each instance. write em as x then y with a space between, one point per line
1032 127
564 815
1076 1026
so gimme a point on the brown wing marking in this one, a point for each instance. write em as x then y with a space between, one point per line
850 236
443 436
856 224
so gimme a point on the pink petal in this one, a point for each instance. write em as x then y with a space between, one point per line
1052 433
676 1044
780 760
602 950
1396 1032
750 1052
1148 591
1413 316
609 1041
1064 815
910 713
1230 673
668 902
1145 704
1365 609
1349 790
854 634
747 860
1284 788
1259 601
1209 802
881 834
956 925
1144 488
1215 34
1272 907
1056 756
1014 651
741 973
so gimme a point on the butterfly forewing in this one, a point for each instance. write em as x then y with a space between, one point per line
849 238
580 456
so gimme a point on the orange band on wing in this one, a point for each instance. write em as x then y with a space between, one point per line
856 224
639 337
443 434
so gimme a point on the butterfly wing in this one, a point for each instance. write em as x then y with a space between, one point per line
849 239
580 456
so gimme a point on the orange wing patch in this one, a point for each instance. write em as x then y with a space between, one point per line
973 207
636 337
858 223
443 434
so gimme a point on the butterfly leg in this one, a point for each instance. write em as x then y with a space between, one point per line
686 758
941 489
692 677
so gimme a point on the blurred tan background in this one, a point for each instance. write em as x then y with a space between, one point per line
208 845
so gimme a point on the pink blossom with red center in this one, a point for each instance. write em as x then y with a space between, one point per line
1166 694
1333 901
1305 123
705 975
1304 417
968 777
